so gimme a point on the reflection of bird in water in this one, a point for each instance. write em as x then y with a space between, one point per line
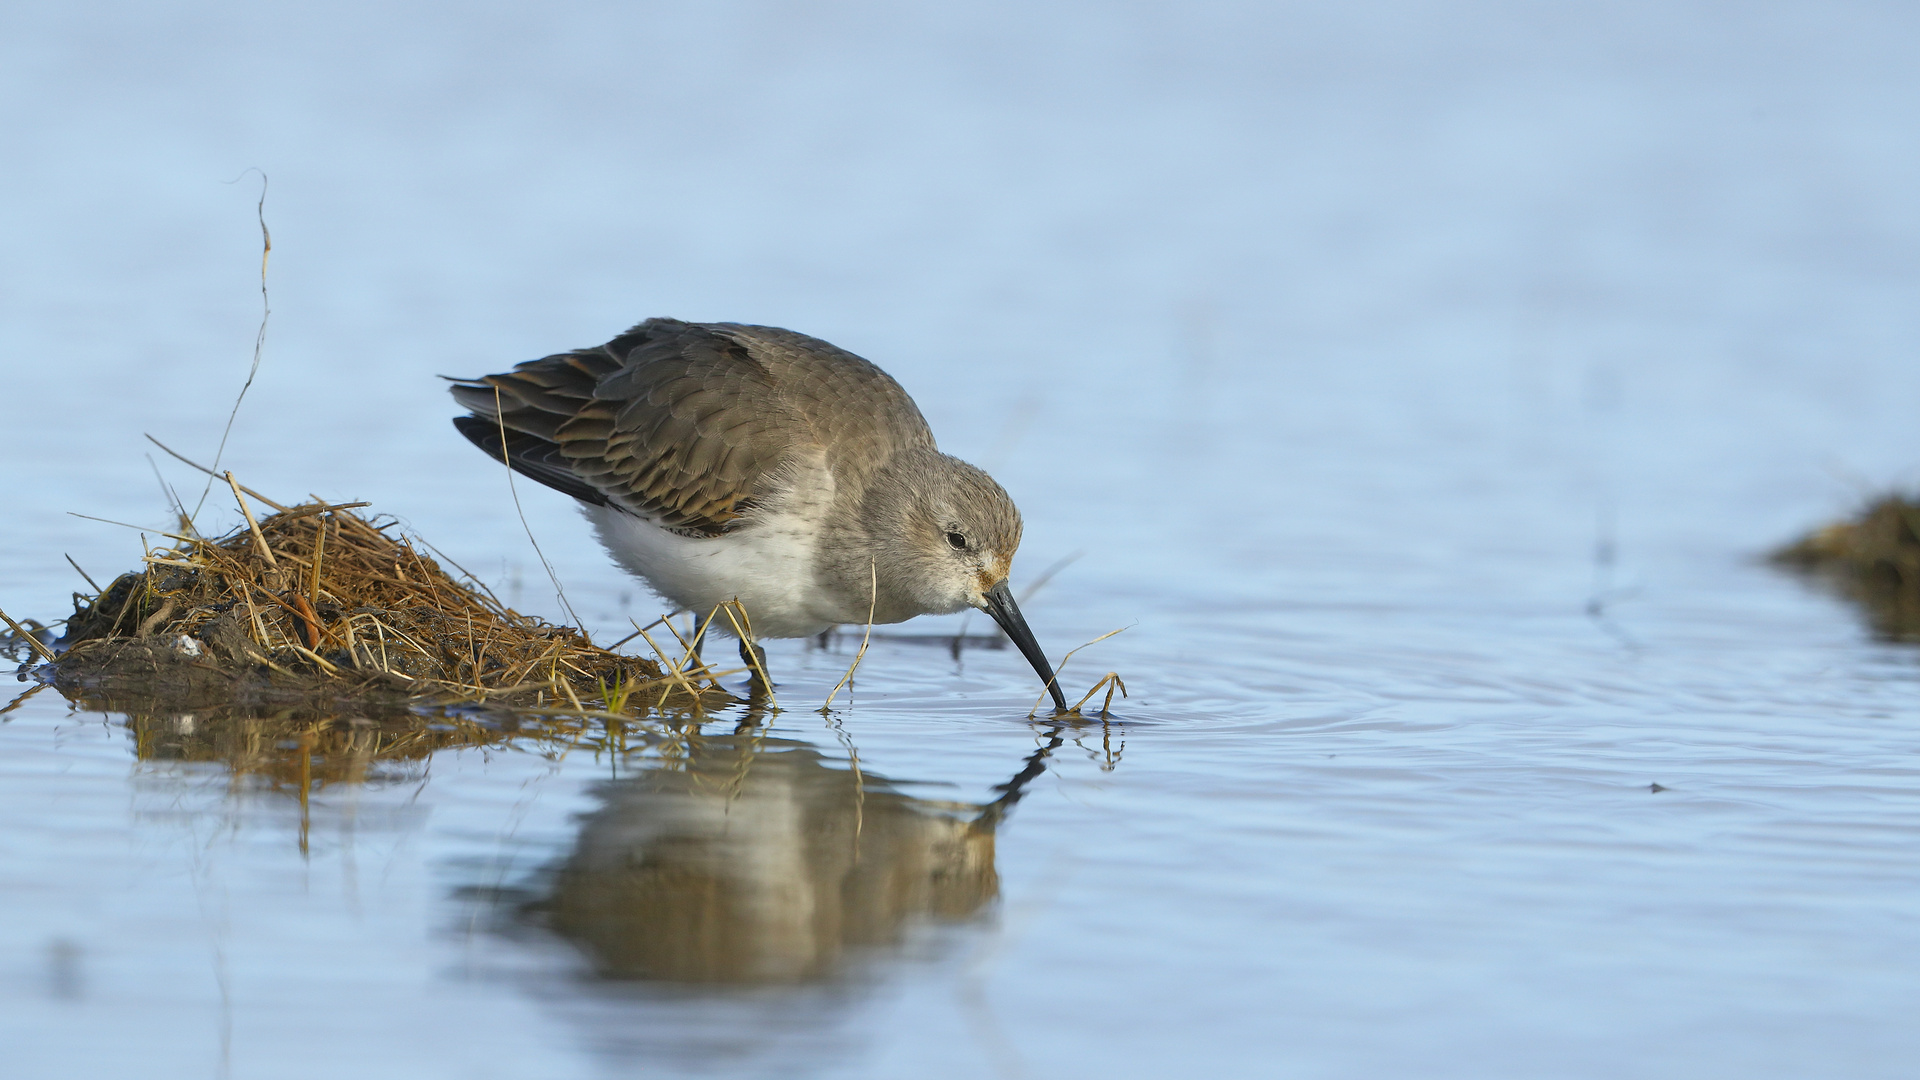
726 462
753 860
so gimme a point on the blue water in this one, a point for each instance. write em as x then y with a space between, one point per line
1418 384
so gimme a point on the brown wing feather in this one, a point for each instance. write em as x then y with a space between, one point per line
692 424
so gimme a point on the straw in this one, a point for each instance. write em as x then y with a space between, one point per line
32 642
873 599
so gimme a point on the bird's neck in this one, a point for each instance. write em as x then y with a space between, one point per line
870 552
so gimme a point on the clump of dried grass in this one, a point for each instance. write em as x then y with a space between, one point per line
317 600
1110 682
300 750
1874 559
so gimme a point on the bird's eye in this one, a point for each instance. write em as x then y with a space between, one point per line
958 541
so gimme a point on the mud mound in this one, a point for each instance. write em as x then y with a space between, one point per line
318 610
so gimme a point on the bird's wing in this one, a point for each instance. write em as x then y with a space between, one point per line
689 424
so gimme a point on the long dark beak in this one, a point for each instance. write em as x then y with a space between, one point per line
998 602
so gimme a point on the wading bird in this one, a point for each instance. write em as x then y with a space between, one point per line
720 462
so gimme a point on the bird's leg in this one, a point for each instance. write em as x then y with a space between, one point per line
755 658
699 637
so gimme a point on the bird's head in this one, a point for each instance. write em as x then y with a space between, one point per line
950 536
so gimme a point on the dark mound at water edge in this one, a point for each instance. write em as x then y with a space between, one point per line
1873 559
318 611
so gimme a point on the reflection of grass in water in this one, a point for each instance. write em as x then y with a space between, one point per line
301 754
1874 559
290 752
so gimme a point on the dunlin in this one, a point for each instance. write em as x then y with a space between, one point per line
720 462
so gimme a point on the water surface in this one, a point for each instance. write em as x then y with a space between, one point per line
1418 385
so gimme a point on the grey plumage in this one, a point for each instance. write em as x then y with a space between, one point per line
724 461
690 424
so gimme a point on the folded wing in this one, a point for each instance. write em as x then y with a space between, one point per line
689 425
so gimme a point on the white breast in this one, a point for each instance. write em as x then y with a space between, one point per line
768 564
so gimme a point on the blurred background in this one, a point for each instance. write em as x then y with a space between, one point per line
1421 382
